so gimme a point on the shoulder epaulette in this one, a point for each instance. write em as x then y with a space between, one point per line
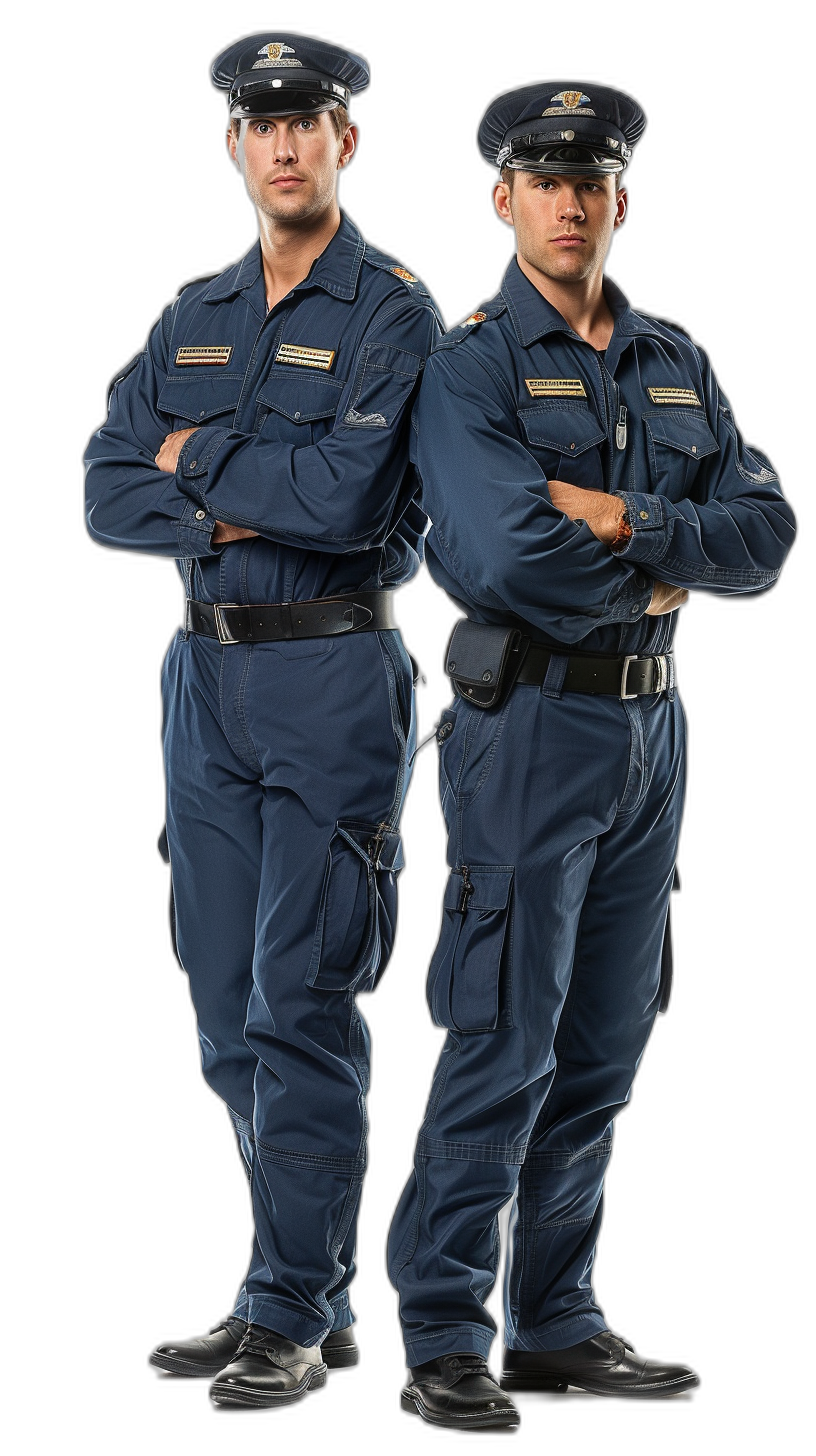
669 324
389 265
462 331
205 278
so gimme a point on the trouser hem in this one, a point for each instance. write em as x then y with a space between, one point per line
560 1335
303 1329
457 1340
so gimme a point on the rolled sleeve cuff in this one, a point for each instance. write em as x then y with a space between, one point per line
650 536
195 530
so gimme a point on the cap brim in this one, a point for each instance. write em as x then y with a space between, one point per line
309 93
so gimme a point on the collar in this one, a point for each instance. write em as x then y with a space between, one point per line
533 316
336 270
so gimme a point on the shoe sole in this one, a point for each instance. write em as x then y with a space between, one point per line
512 1380
166 1367
224 1394
412 1401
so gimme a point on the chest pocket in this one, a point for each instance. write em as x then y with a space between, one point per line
676 441
565 439
297 407
193 399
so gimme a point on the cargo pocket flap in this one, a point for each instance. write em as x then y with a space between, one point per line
199 397
682 429
570 429
300 396
381 848
468 976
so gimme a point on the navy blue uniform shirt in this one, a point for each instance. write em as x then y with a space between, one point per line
303 430
515 398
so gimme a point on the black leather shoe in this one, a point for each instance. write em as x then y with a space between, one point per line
604 1365
268 1370
204 1356
339 1349
458 1390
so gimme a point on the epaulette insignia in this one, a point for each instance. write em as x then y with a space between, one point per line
476 318
404 275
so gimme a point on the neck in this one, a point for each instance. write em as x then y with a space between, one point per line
290 248
581 303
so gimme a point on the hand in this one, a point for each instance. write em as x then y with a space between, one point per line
665 599
167 458
603 513
224 533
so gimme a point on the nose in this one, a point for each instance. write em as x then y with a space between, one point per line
570 209
284 145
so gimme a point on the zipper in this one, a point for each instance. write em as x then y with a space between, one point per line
620 428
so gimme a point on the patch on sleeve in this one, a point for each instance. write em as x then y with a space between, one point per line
556 388
307 358
203 354
670 394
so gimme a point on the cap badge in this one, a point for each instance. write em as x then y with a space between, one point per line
572 103
273 54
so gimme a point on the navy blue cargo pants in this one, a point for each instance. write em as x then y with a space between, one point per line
286 769
563 815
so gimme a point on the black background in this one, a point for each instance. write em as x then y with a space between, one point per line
687 1263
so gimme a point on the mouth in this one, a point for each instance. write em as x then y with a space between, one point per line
568 240
287 184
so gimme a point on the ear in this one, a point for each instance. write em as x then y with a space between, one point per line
348 146
232 145
622 197
503 202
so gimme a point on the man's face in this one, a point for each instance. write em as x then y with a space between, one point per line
563 225
290 163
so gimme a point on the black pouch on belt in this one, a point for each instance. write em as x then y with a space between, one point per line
483 662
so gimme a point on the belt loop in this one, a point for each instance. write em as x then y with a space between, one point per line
554 677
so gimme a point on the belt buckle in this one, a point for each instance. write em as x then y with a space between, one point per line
224 635
627 662
662 665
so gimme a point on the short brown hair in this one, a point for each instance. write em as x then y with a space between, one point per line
339 120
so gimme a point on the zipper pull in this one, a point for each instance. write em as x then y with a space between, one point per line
467 891
620 428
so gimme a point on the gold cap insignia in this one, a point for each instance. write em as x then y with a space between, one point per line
272 55
571 98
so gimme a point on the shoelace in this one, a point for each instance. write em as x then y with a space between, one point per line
258 1342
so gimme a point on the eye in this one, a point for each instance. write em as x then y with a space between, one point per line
263 128
546 185
306 124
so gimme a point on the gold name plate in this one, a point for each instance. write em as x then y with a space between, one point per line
308 358
560 388
204 354
670 395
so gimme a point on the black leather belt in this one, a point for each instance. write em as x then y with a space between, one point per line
623 677
366 611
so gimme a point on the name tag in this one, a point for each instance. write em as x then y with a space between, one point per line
204 354
668 394
561 388
307 358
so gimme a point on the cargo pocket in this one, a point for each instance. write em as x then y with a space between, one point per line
358 908
469 972
164 850
667 955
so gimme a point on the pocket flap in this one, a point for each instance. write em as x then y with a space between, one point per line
300 396
380 849
491 888
568 428
682 429
199 396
